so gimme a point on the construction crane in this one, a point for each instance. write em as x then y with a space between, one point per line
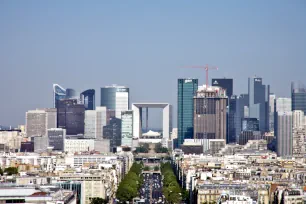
206 67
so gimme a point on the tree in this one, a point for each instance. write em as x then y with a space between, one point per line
171 188
129 186
146 168
160 149
11 171
98 201
156 168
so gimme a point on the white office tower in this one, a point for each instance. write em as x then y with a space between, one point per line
284 130
283 105
51 117
127 128
36 123
95 120
298 118
115 98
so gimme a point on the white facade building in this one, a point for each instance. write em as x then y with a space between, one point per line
122 102
167 119
38 121
298 118
127 128
10 139
115 98
283 104
95 120
78 145
284 133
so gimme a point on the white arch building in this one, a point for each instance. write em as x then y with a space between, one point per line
167 119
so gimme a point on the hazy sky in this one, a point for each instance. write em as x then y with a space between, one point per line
144 45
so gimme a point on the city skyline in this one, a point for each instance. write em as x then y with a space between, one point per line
151 43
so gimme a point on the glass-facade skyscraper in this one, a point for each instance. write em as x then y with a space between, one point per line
224 83
127 128
115 98
187 89
70 116
58 94
298 96
88 99
113 133
259 97
71 94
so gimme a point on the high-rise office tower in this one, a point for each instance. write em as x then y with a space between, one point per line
210 113
224 83
40 143
245 136
127 128
186 91
70 116
113 133
259 96
95 120
56 137
271 111
71 94
115 98
298 96
250 124
280 105
298 119
88 99
110 114
235 114
232 113
38 121
227 84
284 133
58 94
241 112
51 117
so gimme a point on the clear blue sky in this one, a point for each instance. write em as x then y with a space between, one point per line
144 45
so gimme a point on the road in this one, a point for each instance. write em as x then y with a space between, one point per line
151 190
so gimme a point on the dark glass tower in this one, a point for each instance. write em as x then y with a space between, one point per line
71 94
70 116
58 94
113 133
298 97
224 83
259 97
88 99
187 88
235 116
232 113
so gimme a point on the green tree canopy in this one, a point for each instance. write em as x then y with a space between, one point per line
98 201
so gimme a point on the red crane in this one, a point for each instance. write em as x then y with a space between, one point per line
206 67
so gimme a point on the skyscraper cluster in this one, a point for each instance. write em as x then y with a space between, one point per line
75 120
215 112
